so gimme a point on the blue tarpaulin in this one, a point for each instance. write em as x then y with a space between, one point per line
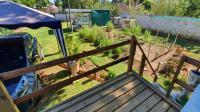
13 16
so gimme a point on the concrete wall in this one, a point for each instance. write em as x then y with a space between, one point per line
187 27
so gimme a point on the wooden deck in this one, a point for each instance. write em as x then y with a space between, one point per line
126 93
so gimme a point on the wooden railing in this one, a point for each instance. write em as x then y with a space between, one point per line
175 79
19 72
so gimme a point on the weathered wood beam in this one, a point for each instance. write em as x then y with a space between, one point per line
132 53
22 71
6 102
66 82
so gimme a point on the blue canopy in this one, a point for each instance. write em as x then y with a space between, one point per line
13 16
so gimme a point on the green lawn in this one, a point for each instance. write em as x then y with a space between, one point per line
48 42
65 93
102 60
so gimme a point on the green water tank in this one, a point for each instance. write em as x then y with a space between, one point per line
100 17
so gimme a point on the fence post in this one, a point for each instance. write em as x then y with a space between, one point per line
133 45
142 65
6 102
175 76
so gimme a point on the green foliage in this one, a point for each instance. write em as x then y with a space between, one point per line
4 31
105 42
188 8
29 3
164 7
114 9
93 34
58 3
147 36
110 26
41 3
111 75
134 30
73 44
147 4
117 51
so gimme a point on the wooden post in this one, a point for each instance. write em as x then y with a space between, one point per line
175 76
131 53
142 65
167 38
175 39
6 102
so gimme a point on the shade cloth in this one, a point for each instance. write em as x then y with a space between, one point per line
193 104
13 16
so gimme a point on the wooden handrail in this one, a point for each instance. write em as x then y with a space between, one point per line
22 71
155 75
175 78
66 82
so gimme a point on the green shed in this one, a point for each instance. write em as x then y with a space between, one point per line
100 17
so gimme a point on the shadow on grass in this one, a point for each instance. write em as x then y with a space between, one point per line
61 74
47 55
189 45
86 81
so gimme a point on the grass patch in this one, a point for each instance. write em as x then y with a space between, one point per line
102 60
65 93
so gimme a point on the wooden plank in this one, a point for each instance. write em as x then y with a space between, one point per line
88 93
192 61
142 65
111 106
134 102
162 106
132 53
65 82
6 102
186 86
155 75
169 100
175 76
148 104
110 97
94 97
172 110
21 71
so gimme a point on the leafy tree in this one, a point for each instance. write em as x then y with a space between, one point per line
41 3
192 7
29 3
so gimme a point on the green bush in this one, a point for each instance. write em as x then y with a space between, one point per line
134 30
110 26
147 36
92 34
111 75
117 51
147 4
73 44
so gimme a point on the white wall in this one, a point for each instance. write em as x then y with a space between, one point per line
188 27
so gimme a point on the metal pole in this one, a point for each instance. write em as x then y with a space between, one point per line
70 14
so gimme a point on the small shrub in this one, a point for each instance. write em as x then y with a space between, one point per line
147 4
110 26
134 30
147 36
117 51
111 75
73 44
92 34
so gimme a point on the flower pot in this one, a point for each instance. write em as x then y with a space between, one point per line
74 67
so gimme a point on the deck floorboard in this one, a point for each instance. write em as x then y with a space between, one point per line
125 93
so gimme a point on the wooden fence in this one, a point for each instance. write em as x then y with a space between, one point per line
10 106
